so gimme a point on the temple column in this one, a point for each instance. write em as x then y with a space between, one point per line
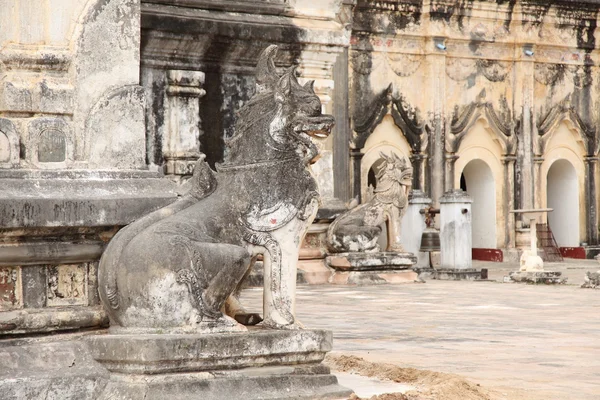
437 83
418 161
509 201
524 99
449 171
591 165
538 183
355 159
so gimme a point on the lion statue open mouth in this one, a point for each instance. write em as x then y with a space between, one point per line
176 269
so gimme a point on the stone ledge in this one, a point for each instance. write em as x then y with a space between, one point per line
80 202
36 253
380 261
538 277
297 382
452 274
39 320
374 277
155 354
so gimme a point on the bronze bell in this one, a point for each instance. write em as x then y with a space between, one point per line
430 240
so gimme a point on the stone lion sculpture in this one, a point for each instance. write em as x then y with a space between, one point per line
175 270
358 229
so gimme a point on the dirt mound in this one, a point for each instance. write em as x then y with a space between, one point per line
387 396
431 385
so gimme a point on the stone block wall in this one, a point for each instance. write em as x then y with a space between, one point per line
73 159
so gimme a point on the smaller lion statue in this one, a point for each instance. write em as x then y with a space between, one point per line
359 229
592 280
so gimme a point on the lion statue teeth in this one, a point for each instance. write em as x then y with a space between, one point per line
178 269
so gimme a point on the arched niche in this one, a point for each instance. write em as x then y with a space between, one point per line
387 138
5 148
50 143
563 197
480 185
481 145
9 144
564 144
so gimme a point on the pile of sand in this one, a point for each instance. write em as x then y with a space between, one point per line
430 385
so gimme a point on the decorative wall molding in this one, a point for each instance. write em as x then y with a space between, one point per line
460 69
404 64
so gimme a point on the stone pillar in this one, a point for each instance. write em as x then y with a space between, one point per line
591 164
355 158
455 237
342 131
413 225
181 144
317 65
524 98
538 182
437 83
509 204
418 161
449 171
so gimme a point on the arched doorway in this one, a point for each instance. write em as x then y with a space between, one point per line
562 191
478 181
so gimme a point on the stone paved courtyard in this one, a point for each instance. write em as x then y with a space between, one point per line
542 341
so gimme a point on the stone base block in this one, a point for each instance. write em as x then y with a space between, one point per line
48 319
315 272
258 364
372 268
256 276
381 261
424 273
49 367
450 274
289 382
535 277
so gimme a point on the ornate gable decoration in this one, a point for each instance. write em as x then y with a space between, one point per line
406 117
559 112
464 118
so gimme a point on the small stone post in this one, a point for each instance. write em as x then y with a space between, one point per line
181 144
455 237
413 225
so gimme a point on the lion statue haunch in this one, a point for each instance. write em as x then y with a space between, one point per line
178 268
358 229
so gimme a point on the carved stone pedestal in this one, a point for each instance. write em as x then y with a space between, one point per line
259 364
542 277
372 268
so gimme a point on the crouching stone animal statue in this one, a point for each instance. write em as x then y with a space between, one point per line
358 229
176 269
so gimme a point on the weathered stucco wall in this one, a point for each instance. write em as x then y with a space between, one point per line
520 68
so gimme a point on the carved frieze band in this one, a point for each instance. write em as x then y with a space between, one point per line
403 65
552 74
406 117
464 118
460 69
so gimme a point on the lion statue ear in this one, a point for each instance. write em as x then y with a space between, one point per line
266 73
284 85
310 85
